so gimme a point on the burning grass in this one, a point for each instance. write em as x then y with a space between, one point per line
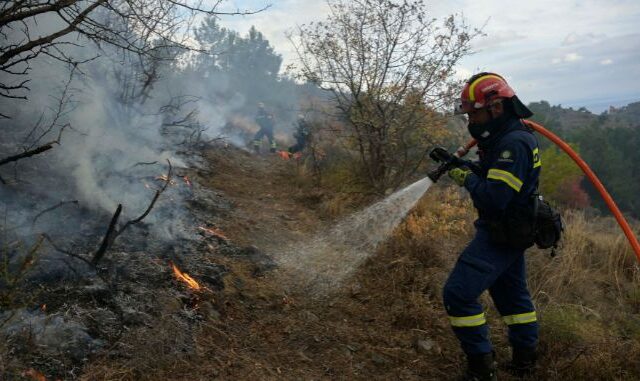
386 320
191 283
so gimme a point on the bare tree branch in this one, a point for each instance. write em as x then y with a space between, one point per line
113 232
62 105
107 240
41 149
35 219
43 41
139 26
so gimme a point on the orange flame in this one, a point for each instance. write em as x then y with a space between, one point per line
34 374
214 232
185 278
284 155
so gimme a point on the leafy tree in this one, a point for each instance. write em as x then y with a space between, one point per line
247 65
387 66
561 178
608 143
613 154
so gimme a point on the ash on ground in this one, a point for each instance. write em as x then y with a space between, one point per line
57 310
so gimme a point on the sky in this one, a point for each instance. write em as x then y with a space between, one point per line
573 53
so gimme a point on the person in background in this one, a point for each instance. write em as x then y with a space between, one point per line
265 121
301 133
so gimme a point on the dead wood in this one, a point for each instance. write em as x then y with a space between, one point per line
67 252
35 219
113 232
107 240
36 151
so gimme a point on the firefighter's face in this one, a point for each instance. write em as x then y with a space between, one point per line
479 116
486 114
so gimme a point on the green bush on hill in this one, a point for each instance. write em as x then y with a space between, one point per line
608 143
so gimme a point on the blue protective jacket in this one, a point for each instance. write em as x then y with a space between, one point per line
509 172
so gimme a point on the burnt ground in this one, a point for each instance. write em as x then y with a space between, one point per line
280 327
384 322
255 320
270 323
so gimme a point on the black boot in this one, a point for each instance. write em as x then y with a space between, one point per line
523 361
480 368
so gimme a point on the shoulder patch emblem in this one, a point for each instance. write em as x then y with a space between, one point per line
505 154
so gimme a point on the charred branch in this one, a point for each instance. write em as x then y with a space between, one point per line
108 237
151 204
113 232
67 252
143 163
63 203
33 152
187 121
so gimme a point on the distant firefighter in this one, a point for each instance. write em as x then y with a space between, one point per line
301 133
266 121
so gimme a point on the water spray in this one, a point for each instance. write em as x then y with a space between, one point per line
449 161
327 259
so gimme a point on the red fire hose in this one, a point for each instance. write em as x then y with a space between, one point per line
587 171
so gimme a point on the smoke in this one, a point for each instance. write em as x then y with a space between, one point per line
114 138
119 131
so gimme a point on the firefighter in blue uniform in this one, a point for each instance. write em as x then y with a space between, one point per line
507 180
265 121
301 134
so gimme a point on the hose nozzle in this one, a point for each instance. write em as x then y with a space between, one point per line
447 160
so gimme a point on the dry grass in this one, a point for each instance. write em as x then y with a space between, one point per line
587 296
269 328
588 301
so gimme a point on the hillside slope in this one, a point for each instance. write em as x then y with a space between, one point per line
384 322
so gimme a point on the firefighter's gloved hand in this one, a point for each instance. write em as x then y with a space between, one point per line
459 175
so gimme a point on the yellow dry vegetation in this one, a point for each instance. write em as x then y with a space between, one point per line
386 321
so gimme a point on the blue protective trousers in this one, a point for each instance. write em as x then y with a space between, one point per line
502 271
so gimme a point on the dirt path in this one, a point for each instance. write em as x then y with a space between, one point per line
267 208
